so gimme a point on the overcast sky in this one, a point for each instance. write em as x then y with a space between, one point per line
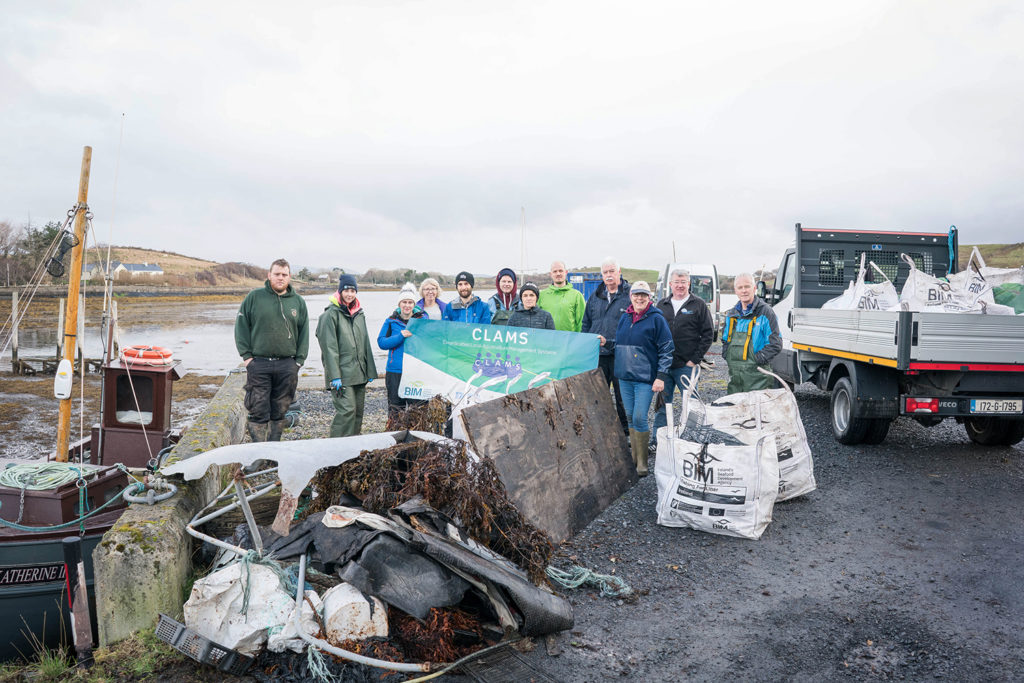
388 133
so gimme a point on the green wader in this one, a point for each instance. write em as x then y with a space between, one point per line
348 410
743 374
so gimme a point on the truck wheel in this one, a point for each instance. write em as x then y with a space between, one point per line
877 430
994 431
846 428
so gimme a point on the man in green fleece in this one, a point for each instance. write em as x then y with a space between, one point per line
563 301
347 356
272 337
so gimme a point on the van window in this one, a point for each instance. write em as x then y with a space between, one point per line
703 286
788 276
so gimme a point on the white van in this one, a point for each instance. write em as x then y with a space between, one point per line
703 283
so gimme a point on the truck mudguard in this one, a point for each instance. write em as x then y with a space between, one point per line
876 387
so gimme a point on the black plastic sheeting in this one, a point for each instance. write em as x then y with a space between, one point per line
416 569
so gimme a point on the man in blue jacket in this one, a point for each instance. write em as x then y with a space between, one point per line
468 308
750 339
601 316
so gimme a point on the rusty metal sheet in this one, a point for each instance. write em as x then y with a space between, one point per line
558 448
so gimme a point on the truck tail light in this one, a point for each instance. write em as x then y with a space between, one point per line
922 405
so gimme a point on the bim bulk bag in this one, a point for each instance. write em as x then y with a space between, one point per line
750 415
1004 286
721 489
864 296
924 293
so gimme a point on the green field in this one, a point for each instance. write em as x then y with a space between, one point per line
995 255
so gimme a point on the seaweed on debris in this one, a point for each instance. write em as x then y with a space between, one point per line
423 416
290 666
446 635
469 492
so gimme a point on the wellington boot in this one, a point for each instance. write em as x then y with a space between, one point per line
632 445
641 453
257 430
276 430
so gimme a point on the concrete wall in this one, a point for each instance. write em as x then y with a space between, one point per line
143 562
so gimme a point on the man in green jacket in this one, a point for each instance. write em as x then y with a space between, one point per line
563 301
272 337
347 356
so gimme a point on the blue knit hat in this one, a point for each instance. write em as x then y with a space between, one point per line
347 282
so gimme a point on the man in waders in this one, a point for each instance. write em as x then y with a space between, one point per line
750 339
272 337
347 356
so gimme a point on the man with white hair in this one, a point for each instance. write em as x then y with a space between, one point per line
601 316
563 301
750 338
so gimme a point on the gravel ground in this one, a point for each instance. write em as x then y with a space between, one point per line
906 563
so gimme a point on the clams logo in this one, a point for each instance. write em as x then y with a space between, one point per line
413 389
497 366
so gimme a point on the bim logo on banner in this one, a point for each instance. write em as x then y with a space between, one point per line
413 389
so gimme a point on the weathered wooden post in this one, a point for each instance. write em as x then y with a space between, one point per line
74 285
80 341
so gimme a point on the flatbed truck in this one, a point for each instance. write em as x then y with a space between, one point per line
879 365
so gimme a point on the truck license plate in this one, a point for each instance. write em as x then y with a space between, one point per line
1002 406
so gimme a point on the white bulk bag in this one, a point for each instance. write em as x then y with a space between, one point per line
860 295
750 415
214 608
720 489
977 270
922 292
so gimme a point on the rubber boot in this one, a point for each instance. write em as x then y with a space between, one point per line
632 445
641 453
276 430
258 430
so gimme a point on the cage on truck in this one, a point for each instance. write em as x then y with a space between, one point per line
879 365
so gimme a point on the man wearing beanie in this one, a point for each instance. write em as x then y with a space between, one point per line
468 308
272 337
392 338
347 356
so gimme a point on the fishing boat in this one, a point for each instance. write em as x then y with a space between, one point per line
82 492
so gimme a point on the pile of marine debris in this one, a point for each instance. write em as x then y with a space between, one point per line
410 554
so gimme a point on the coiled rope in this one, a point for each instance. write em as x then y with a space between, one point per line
43 476
576 576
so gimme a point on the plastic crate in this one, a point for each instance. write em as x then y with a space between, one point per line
203 650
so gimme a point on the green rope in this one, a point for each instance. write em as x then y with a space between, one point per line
576 576
131 488
288 584
318 665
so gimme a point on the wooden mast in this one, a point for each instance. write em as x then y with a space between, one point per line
74 284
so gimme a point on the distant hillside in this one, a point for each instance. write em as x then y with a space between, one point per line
631 274
179 270
995 255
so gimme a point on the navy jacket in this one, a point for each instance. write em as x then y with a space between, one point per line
537 318
601 316
643 350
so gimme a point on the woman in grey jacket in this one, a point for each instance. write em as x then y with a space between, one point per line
527 314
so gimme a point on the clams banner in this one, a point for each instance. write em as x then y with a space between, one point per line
487 361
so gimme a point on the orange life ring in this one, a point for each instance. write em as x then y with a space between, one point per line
147 355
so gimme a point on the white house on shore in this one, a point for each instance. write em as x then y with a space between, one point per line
119 270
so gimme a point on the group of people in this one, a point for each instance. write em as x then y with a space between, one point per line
647 347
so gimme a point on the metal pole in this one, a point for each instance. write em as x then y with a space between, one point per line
74 284
78 600
14 333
